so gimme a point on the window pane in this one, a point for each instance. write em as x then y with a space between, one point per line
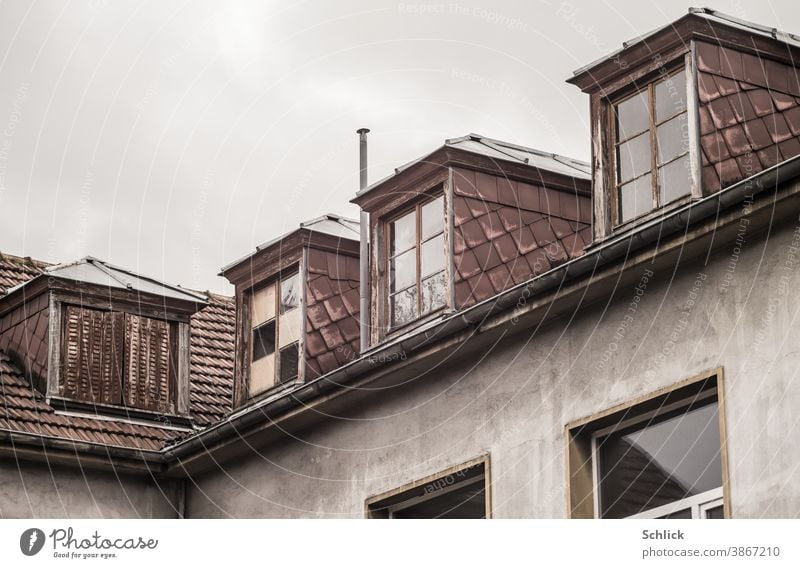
262 375
404 233
433 291
632 116
264 340
672 139
432 218
670 96
263 305
633 157
715 513
289 357
290 293
636 198
404 270
404 306
289 325
433 256
674 180
660 463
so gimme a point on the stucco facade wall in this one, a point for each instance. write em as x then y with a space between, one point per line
34 490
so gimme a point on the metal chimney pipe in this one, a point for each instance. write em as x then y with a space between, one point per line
363 283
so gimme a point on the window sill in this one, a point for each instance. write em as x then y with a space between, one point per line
273 391
119 412
622 228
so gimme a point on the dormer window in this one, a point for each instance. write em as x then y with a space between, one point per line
652 147
417 262
276 323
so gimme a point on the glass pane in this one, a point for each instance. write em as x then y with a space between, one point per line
289 325
404 306
672 139
263 305
404 233
289 357
433 293
660 463
633 157
715 513
404 270
262 374
632 116
433 255
264 340
432 218
675 180
290 293
670 96
636 198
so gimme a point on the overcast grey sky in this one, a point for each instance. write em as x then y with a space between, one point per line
173 137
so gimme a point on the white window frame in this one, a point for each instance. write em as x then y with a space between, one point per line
699 503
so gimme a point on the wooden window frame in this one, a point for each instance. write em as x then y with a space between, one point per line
374 510
277 280
686 62
583 500
178 374
386 290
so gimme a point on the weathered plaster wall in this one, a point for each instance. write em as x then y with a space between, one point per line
514 401
33 490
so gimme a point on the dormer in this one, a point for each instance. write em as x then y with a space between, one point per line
99 340
297 306
466 222
685 111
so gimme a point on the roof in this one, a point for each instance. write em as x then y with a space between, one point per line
15 269
712 16
502 151
90 270
24 410
328 224
211 360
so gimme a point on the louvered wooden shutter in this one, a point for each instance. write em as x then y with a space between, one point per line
92 355
146 381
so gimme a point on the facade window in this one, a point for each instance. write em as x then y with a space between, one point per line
652 147
276 326
118 358
459 493
661 458
417 263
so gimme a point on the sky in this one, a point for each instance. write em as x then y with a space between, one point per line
172 138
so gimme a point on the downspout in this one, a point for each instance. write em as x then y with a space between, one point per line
363 282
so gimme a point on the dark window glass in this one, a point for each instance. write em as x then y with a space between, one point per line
715 513
289 359
660 462
264 340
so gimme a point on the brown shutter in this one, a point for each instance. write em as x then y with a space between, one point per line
93 355
147 363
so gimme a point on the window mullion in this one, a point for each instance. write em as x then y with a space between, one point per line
418 239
